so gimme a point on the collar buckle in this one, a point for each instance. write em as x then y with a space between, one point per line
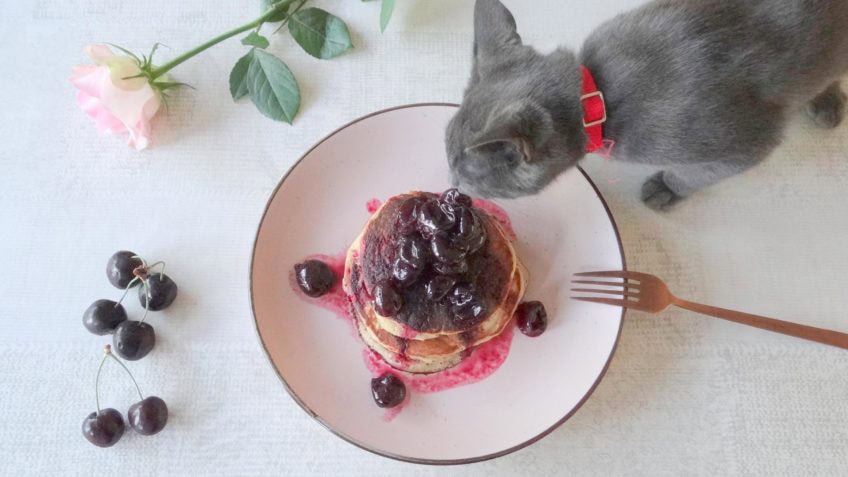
603 119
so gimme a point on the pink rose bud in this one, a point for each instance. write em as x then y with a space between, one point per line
115 101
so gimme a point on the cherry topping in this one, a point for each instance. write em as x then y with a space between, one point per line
470 312
470 234
454 197
404 273
413 250
444 250
439 286
388 390
120 267
532 318
453 269
148 416
463 294
387 301
407 215
103 316
314 277
103 428
432 216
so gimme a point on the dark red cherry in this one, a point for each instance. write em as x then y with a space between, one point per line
470 233
532 318
388 390
433 217
119 268
472 312
314 277
414 250
444 250
103 316
439 286
133 339
404 273
387 301
148 416
456 198
103 428
462 295
407 215
451 269
161 292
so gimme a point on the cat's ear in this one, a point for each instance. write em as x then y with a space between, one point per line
515 130
494 29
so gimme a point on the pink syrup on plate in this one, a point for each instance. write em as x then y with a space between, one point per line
478 365
373 205
499 214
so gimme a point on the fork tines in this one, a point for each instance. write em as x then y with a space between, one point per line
624 289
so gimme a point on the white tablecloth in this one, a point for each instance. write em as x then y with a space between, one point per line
684 395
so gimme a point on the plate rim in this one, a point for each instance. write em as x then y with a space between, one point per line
390 455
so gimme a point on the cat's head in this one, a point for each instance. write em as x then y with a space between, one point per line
520 122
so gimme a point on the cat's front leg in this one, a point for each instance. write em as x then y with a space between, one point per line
666 188
828 108
656 194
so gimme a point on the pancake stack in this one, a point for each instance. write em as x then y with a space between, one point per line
431 277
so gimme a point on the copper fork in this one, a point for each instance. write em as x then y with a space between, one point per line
648 293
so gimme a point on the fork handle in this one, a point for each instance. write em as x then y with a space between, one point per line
829 337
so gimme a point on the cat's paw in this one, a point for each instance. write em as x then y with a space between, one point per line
828 109
657 195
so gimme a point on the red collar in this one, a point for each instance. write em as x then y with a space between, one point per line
594 112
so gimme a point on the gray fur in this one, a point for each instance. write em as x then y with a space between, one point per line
703 87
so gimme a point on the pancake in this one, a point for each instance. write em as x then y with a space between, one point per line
486 280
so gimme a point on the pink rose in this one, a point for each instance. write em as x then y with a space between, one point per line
113 101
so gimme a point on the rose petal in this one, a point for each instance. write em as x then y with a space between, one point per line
93 107
140 132
99 53
80 71
92 82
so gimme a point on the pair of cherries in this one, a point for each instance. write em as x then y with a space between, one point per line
132 339
105 427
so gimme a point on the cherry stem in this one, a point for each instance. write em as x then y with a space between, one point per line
146 300
138 390
127 290
143 261
97 380
161 272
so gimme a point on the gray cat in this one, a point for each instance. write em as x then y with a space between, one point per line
702 87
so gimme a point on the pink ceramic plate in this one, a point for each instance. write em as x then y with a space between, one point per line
320 207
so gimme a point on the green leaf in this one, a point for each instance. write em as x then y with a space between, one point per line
386 10
320 33
272 87
238 76
280 15
255 39
128 52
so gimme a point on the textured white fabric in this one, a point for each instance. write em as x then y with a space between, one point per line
685 395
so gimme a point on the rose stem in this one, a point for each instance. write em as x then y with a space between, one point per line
276 8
